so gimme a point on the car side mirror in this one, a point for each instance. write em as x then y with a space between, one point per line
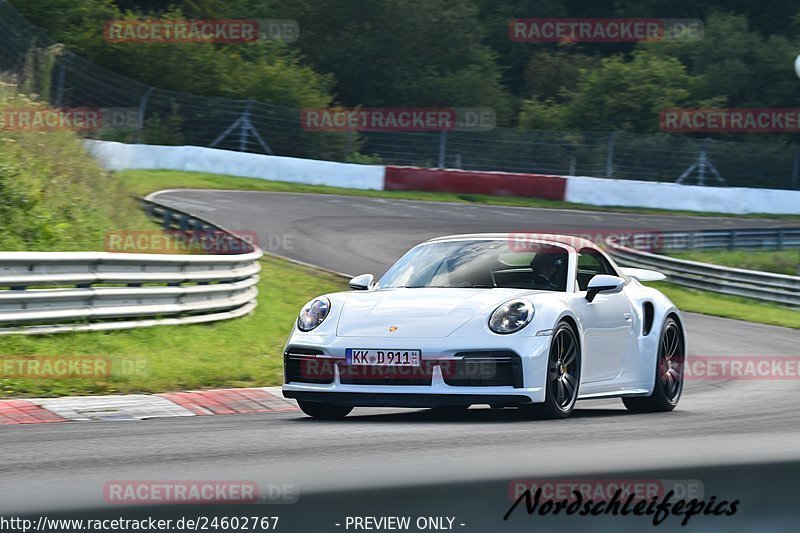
362 282
604 284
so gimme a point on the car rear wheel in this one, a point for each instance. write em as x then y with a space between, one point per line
324 411
669 373
563 376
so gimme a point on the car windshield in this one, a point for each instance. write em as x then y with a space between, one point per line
482 264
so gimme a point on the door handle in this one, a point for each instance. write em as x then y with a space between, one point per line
627 317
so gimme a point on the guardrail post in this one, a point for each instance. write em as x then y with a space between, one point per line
610 154
59 85
140 115
732 242
780 239
167 222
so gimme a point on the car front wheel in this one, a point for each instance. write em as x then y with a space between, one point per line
563 376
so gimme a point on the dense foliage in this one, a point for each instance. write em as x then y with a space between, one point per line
53 195
458 53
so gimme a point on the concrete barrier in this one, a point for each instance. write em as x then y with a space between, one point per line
472 182
575 189
630 193
120 156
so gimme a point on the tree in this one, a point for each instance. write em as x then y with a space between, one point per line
622 94
394 53
735 62
551 74
264 70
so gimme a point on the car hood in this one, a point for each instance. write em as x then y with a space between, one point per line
423 312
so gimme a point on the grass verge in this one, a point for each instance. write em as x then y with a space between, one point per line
147 181
722 305
243 352
53 195
783 262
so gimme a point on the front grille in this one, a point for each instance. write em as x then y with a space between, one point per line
472 369
484 369
386 375
301 365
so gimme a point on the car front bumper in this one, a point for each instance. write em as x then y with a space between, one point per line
499 371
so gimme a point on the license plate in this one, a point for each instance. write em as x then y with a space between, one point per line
357 356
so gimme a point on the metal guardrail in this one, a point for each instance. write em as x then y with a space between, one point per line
50 292
762 239
766 286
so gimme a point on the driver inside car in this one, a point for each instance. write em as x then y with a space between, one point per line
550 269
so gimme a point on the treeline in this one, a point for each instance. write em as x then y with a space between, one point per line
457 53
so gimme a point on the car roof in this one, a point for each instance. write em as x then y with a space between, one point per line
522 238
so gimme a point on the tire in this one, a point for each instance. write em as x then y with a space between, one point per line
563 376
323 411
668 379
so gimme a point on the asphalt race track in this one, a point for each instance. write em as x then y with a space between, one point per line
355 235
63 467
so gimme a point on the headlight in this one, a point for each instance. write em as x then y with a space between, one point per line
511 317
313 313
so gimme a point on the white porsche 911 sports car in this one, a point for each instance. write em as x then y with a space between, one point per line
487 319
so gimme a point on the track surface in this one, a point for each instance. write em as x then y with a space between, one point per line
62 466
357 235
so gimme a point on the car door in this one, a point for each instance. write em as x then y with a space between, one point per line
607 321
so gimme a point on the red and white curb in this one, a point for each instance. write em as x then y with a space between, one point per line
145 406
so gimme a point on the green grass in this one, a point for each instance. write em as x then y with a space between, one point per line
707 303
783 262
242 352
53 195
147 181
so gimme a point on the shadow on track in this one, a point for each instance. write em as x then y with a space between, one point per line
470 416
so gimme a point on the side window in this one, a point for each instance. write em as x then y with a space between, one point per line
591 263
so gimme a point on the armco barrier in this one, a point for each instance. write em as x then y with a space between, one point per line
766 286
471 182
51 292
